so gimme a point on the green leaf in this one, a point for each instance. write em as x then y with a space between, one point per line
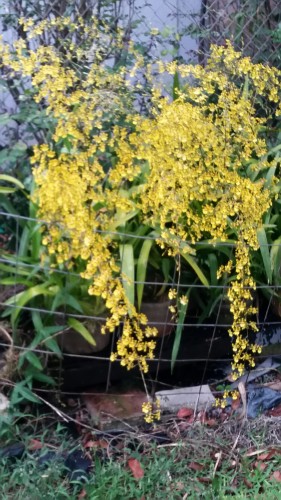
264 249
192 262
269 176
22 298
14 269
42 377
24 242
50 330
7 190
142 268
275 260
15 281
79 327
120 220
64 298
128 271
37 321
33 360
176 86
52 345
213 265
7 205
4 118
35 237
165 267
182 308
9 178
245 93
21 392
218 245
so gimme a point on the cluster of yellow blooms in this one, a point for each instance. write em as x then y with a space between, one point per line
195 187
222 403
151 411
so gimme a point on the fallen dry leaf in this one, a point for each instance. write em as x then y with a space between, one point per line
234 482
136 468
82 494
202 417
223 416
243 396
247 483
260 465
185 412
91 444
235 404
276 475
196 466
205 480
34 444
179 486
275 412
185 424
211 422
252 453
99 443
276 386
267 455
218 460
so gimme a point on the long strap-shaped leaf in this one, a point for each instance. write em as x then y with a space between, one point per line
142 269
262 239
275 260
19 300
13 180
192 262
128 272
80 328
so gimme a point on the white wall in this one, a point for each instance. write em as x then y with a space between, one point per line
173 13
160 14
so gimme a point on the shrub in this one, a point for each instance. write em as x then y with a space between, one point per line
191 171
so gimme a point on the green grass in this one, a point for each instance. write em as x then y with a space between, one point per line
166 475
205 464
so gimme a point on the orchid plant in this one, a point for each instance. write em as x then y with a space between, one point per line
182 171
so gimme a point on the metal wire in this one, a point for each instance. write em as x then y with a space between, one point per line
151 323
92 357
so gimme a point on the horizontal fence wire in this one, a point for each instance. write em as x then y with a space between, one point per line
150 323
209 243
18 264
92 357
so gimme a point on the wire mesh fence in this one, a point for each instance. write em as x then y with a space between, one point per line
205 352
185 32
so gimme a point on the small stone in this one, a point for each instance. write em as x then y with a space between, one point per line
4 404
115 410
188 397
